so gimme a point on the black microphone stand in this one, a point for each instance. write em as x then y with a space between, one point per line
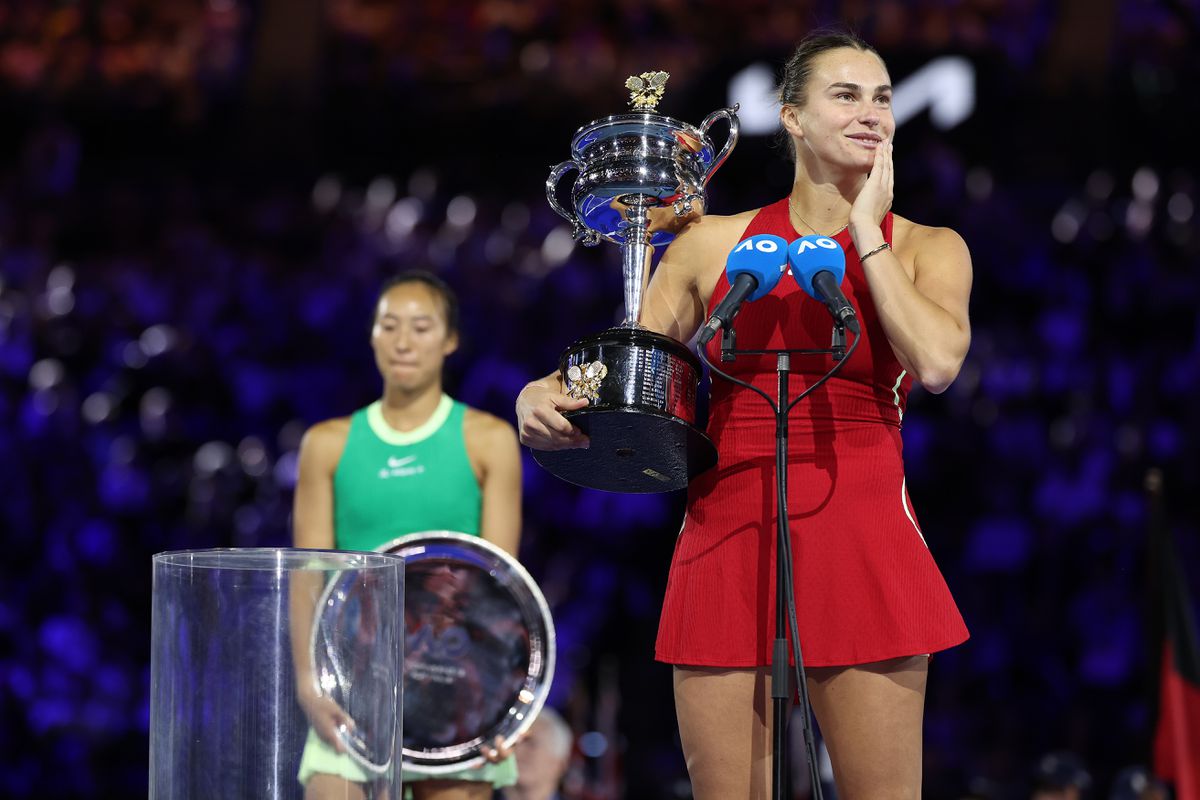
785 597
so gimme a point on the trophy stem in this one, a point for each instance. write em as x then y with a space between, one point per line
635 263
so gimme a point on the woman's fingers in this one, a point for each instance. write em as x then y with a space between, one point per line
329 721
552 414
891 169
876 196
497 752
545 428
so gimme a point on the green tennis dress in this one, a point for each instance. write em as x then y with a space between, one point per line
389 483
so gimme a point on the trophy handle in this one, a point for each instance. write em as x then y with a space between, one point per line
579 231
722 113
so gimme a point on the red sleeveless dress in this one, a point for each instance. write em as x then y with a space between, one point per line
867 588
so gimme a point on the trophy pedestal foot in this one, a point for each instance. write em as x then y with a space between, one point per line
632 451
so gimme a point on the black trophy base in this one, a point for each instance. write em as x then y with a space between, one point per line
632 451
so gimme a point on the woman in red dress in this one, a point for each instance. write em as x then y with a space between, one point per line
871 602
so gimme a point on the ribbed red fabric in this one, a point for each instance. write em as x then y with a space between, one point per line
867 587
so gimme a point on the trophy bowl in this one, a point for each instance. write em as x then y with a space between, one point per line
645 160
641 179
641 389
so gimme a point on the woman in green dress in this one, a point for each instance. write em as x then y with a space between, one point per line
414 460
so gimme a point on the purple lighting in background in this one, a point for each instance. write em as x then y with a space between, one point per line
69 642
999 545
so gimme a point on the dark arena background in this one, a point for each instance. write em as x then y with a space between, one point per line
200 198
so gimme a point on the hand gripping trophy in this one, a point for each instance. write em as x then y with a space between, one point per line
641 179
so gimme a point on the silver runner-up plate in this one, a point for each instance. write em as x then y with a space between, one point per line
479 649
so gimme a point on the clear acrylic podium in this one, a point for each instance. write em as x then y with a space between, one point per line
239 635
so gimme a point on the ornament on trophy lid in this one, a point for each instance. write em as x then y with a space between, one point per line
647 89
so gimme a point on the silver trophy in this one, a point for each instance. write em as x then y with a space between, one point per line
641 180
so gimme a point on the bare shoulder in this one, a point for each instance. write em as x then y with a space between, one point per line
487 430
700 249
712 232
939 264
725 224
680 285
324 442
913 238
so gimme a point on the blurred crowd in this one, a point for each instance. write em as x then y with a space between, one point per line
188 51
186 278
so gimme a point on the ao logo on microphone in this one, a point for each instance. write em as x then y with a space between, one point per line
813 242
762 245
806 243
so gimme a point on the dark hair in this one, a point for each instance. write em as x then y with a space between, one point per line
793 85
432 282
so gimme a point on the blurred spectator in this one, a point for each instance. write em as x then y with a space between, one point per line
542 758
1061 776
981 789
1137 783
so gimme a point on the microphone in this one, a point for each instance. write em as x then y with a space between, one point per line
818 265
753 269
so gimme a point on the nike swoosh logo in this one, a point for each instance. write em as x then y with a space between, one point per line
394 462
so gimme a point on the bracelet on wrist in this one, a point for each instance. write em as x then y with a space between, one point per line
873 251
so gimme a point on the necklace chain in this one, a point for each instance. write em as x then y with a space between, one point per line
807 224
